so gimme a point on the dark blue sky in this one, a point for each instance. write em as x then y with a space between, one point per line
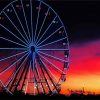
81 18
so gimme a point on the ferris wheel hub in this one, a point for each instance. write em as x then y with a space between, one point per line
32 49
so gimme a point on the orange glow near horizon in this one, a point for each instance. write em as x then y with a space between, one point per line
84 71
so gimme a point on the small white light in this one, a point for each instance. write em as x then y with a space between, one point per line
27 5
54 21
64 43
66 56
38 8
8 10
60 32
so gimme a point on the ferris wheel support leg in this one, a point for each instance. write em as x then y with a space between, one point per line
41 66
15 77
23 71
23 83
49 75
39 78
33 69
49 70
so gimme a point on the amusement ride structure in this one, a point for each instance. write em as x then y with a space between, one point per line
34 48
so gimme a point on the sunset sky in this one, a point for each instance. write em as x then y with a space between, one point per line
82 22
84 71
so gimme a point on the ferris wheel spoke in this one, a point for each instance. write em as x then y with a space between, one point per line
22 49
50 56
46 30
12 56
12 23
12 41
26 21
13 64
15 72
52 49
42 24
37 21
52 42
51 63
49 70
20 24
50 35
12 34
31 20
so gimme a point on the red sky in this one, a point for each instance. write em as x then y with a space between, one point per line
84 68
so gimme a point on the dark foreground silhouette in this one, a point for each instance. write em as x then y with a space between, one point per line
21 96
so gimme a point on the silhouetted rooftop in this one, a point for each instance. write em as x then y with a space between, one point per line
22 96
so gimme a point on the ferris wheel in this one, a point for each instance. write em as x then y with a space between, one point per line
34 48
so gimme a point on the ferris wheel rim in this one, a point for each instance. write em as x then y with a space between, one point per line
53 11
